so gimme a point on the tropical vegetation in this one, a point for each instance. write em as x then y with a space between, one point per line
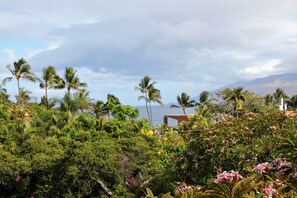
238 144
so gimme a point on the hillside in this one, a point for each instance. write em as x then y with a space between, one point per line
263 86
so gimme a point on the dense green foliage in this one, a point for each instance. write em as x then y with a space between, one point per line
237 146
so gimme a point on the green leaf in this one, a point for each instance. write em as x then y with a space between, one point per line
149 193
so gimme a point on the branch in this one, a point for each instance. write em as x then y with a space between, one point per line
105 188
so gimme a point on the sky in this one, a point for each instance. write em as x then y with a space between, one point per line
184 45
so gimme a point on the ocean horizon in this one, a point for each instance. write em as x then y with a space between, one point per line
159 112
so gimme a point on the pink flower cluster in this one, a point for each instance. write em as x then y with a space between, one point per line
279 164
228 177
184 188
269 191
18 178
263 168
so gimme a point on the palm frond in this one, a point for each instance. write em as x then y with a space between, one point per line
7 79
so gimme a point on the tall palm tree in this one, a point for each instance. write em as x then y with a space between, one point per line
50 79
154 95
21 70
184 102
72 81
144 87
238 99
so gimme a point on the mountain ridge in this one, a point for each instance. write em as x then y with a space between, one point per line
265 85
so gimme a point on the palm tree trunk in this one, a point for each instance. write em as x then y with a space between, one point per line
148 113
19 90
184 111
147 110
46 101
151 115
108 115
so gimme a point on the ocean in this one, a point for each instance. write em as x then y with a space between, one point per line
159 111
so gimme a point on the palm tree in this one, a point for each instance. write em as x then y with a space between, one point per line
292 103
98 109
278 95
24 97
3 94
204 100
50 103
204 104
68 104
82 99
184 102
50 79
111 103
154 95
268 99
144 87
21 70
72 81
238 98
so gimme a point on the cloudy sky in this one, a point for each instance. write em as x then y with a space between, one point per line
184 45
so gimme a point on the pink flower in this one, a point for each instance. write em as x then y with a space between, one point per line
269 191
18 178
219 121
228 177
277 183
263 168
184 188
281 166
236 176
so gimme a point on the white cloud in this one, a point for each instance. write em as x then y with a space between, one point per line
198 44
7 56
263 69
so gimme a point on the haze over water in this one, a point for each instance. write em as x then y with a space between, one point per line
160 111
